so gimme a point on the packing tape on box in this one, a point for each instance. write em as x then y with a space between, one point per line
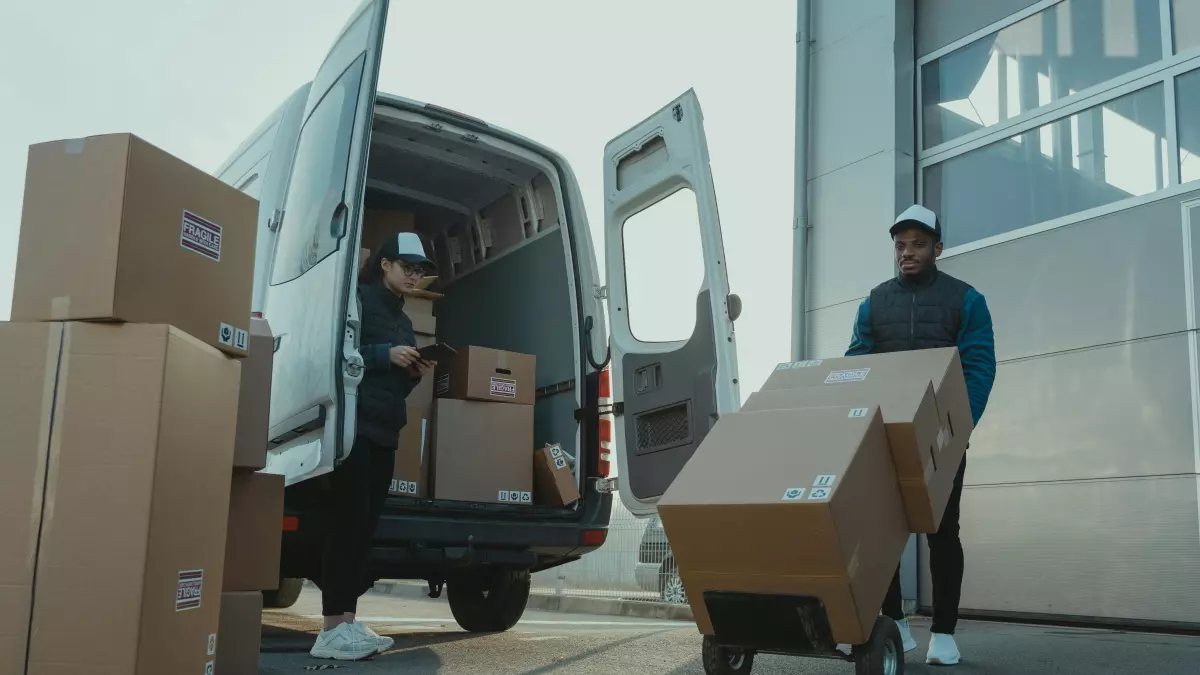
60 308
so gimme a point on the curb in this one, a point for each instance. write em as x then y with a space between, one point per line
569 604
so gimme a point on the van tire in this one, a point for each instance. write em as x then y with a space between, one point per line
285 596
488 602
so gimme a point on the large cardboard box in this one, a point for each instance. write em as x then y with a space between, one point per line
553 482
255 533
135 425
481 452
940 366
239 638
410 478
482 374
785 503
925 461
115 229
254 399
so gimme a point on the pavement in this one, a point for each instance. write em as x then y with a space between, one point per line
428 642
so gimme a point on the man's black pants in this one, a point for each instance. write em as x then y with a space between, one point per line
360 486
945 567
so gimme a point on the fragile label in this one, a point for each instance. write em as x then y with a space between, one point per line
825 480
857 412
189 589
200 236
839 376
503 388
212 644
793 494
412 487
208 668
798 364
225 335
819 493
241 339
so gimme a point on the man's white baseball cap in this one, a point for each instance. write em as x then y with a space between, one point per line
920 217
407 248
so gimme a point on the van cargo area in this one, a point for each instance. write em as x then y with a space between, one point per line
491 220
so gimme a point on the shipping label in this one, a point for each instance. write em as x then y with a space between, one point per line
819 494
839 376
514 497
793 494
200 236
241 339
556 451
798 364
560 463
225 335
825 480
212 644
503 387
857 412
189 589
208 668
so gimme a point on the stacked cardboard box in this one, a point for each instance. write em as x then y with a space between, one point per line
553 482
410 478
119 418
483 427
801 504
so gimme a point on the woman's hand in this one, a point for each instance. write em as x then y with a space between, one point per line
422 367
403 356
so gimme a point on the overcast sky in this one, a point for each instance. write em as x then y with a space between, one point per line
196 76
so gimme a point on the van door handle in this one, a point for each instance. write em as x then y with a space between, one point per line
278 341
337 224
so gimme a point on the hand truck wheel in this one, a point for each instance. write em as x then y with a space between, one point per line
883 653
720 660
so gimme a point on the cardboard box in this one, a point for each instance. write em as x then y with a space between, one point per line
789 503
255 538
553 482
925 462
254 399
418 305
481 452
941 366
115 229
239 638
482 374
410 478
379 224
136 425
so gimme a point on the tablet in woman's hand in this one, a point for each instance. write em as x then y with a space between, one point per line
440 352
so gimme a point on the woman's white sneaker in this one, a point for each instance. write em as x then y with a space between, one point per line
943 650
906 635
343 643
382 642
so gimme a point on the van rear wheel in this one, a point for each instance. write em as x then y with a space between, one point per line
285 596
488 602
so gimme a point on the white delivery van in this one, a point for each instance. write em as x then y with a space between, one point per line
516 260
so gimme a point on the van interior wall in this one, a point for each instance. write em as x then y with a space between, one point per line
521 302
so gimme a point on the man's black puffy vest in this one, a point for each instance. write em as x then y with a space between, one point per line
920 314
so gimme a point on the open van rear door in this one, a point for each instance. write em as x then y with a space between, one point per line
309 299
667 394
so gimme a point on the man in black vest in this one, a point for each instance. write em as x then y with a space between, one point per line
923 308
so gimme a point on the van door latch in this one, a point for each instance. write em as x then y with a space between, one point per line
276 220
600 292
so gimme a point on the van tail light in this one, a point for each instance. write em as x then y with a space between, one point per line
256 315
291 523
605 449
594 537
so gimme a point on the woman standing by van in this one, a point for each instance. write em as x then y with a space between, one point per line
360 484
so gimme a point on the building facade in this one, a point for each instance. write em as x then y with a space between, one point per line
1059 141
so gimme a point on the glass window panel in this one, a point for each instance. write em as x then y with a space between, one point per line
1187 104
1049 56
1095 157
1185 17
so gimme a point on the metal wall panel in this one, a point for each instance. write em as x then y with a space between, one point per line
829 330
851 210
1115 549
1076 286
833 20
1110 412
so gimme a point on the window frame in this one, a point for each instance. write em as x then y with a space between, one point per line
1164 71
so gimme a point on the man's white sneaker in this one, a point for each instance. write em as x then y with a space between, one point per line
343 643
382 642
943 650
906 635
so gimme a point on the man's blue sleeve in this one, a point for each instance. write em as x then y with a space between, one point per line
862 342
977 350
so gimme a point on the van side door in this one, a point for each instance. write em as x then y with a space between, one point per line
668 393
313 274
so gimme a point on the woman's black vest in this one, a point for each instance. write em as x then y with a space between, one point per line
920 314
